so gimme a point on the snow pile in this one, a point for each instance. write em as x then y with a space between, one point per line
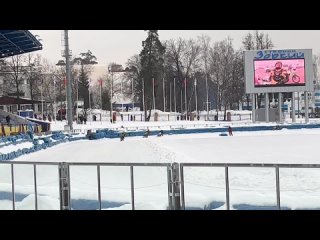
44 203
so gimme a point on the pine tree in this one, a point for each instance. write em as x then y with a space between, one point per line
86 60
151 67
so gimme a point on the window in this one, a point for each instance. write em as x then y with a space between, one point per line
21 94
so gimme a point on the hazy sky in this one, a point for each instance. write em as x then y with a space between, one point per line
118 45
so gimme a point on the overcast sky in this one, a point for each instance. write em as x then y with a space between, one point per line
118 45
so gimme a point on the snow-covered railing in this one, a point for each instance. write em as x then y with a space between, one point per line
227 166
64 179
175 179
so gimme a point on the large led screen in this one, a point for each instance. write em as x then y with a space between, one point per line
273 73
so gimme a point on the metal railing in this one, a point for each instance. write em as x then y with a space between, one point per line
240 165
175 179
64 179
131 167
34 164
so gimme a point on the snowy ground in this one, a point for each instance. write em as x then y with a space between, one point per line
204 187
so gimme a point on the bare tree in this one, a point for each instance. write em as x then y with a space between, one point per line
248 42
33 72
257 41
227 75
134 77
173 64
204 41
14 74
183 59
47 75
235 91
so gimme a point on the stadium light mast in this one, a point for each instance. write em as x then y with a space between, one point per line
116 68
67 55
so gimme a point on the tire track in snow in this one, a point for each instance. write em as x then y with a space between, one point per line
166 154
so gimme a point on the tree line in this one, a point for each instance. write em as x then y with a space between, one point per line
179 69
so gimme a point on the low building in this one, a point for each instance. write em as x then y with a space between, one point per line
10 104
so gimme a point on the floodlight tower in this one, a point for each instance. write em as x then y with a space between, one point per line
67 55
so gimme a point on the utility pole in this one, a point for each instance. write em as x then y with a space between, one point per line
115 69
111 97
195 89
69 101
121 97
181 102
170 97
175 99
143 107
207 89
164 97
90 101
132 93
185 97
55 99
77 100
101 99
41 97
154 100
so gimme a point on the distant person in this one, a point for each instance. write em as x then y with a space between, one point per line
121 115
160 133
49 118
277 127
35 116
85 119
146 133
3 130
81 119
122 133
8 119
230 131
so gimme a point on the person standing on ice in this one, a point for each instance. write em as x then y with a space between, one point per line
230 131
160 133
146 133
122 133
8 120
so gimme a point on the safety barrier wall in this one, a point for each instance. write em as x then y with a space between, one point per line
48 141
106 133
